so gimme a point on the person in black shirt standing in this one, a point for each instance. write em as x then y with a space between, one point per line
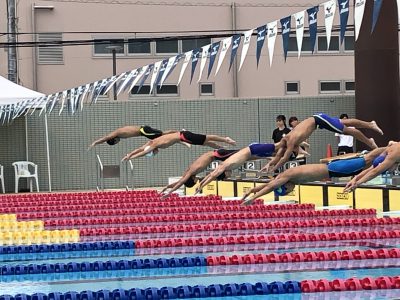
281 129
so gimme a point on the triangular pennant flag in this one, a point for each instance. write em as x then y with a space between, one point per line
37 104
188 56
312 25
285 24
84 94
99 90
329 13
176 62
195 58
213 54
145 76
226 43
204 54
235 46
299 21
375 13
53 102
141 72
271 36
170 63
344 15
110 83
246 44
156 69
93 90
127 78
359 8
160 74
47 100
261 32
79 94
71 107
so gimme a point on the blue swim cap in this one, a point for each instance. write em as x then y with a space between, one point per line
378 160
280 191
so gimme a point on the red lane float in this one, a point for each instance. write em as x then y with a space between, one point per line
351 284
262 238
219 209
303 257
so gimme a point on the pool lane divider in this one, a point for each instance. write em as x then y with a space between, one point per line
223 290
199 261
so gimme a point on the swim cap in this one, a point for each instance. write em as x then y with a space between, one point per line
190 182
280 191
150 154
221 176
113 141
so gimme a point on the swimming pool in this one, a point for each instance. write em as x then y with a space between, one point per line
201 246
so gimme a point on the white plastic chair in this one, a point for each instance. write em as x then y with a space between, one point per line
2 178
21 169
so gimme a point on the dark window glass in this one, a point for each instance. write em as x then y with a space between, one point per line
145 90
305 47
350 86
167 46
192 44
168 89
292 87
139 46
206 89
349 43
330 86
333 46
101 46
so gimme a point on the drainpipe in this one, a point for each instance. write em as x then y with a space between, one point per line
235 72
12 39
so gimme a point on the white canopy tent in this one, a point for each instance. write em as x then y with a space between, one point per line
11 93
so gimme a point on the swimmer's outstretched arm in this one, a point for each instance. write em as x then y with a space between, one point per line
284 158
174 186
269 187
103 139
350 186
139 152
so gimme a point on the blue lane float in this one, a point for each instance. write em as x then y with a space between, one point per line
147 263
89 246
181 292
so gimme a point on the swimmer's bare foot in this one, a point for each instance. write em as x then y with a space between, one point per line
376 127
230 141
373 144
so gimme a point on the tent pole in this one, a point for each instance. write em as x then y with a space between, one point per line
47 148
26 139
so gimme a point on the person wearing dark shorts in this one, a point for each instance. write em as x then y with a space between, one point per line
304 130
151 148
189 178
125 132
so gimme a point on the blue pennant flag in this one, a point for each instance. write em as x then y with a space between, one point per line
344 15
161 72
145 75
213 54
312 24
375 14
261 31
195 59
235 46
285 24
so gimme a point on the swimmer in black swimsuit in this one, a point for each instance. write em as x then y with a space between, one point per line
189 178
115 136
165 141
285 182
303 131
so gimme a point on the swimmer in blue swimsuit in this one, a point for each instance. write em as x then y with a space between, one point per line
189 178
252 152
285 182
387 161
303 131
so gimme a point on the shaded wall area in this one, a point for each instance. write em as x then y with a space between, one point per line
73 167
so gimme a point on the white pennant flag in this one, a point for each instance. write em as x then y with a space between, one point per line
45 104
128 77
156 69
359 7
204 54
246 45
170 63
136 80
188 56
84 94
299 21
329 13
226 43
63 96
271 37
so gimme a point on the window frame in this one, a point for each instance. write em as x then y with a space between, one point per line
207 94
329 92
289 92
94 54
168 95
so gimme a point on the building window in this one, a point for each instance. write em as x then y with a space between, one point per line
101 46
327 87
139 46
305 46
167 46
323 44
144 91
191 44
349 86
349 43
167 90
207 89
292 87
